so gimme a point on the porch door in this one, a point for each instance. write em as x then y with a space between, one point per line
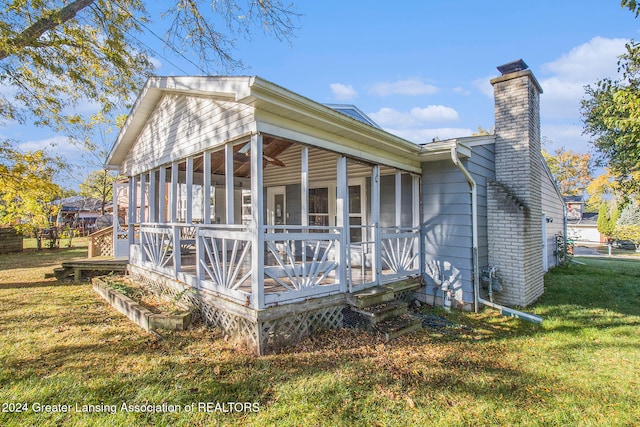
276 206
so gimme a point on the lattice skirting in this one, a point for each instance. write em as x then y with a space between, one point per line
263 332
406 296
289 330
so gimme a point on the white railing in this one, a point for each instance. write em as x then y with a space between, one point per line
224 260
157 242
400 252
298 262
301 261
361 258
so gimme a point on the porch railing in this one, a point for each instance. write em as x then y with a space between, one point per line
302 261
299 261
399 252
157 242
224 260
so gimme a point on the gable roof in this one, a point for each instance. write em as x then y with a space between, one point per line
348 123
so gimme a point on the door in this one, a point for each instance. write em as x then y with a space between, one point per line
276 206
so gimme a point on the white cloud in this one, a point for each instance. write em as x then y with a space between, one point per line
461 90
57 145
483 84
590 61
583 65
343 92
416 117
415 125
408 87
568 135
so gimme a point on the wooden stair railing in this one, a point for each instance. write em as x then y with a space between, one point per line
101 243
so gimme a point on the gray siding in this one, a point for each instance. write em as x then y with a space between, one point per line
447 220
446 216
553 208
481 165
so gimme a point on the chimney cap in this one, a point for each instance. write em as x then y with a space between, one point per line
512 67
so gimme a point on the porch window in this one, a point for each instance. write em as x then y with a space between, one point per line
319 206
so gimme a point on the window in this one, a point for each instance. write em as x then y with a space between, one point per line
319 206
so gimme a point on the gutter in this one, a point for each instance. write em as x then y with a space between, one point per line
505 311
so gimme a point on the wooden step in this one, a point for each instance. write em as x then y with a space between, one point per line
371 296
403 286
398 326
383 311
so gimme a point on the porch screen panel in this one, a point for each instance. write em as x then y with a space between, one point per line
388 201
319 206
406 197
197 191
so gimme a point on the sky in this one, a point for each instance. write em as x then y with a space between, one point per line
421 69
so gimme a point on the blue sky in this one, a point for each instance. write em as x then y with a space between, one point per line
421 69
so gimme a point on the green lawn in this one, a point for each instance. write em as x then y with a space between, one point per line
61 345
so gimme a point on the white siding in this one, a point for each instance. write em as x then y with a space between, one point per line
322 168
184 125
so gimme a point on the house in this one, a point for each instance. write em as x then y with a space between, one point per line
271 209
78 212
582 227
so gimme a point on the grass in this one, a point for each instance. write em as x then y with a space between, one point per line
61 345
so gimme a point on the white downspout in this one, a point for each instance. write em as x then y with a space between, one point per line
474 227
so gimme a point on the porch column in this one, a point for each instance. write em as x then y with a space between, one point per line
143 197
398 197
173 195
153 207
342 220
228 180
376 260
415 205
206 184
304 187
257 223
133 207
162 195
189 213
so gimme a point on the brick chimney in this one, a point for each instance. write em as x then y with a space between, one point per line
514 211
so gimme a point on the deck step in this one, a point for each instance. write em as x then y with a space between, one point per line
399 326
371 296
403 286
383 311
61 273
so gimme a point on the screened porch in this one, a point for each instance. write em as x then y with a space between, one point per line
266 221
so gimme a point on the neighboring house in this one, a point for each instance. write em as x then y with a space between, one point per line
272 208
582 227
79 213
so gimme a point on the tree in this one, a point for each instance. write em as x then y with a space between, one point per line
602 188
572 171
99 185
27 189
612 118
607 218
628 224
58 54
